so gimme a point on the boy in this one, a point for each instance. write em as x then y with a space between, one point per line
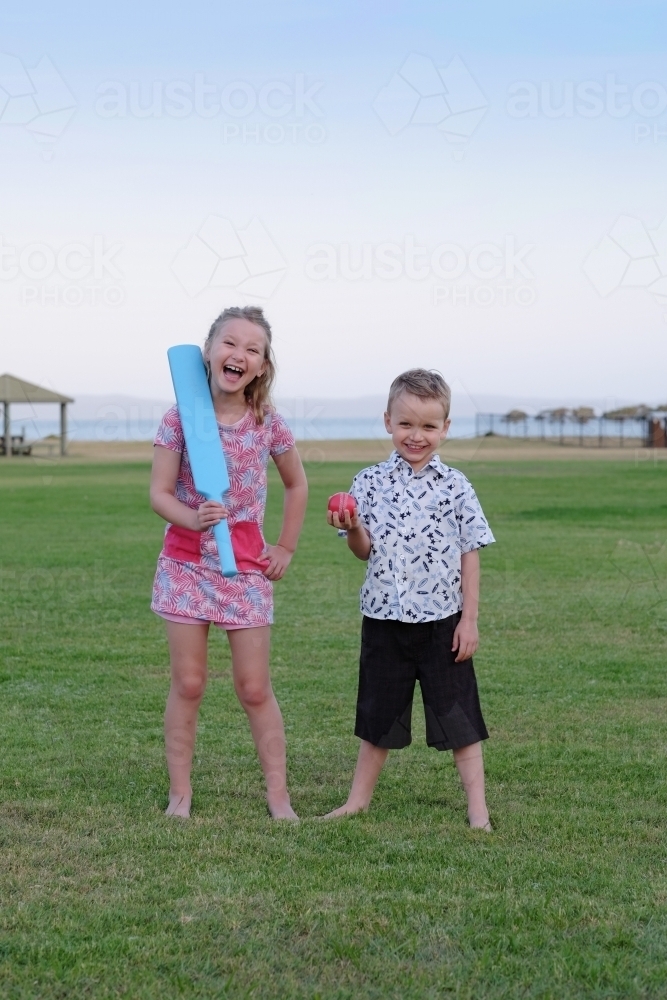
420 526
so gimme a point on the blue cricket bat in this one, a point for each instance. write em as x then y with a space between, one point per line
202 438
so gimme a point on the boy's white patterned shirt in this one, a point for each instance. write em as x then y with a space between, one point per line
420 524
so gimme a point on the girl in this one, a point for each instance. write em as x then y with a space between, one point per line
190 591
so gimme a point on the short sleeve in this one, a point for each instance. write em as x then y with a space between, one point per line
282 438
170 433
360 489
474 531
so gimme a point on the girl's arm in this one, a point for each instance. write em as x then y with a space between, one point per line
166 466
466 636
294 480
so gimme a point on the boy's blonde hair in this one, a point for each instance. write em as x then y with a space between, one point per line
422 383
258 392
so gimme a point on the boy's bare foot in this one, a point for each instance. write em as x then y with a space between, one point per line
344 810
282 809
179 805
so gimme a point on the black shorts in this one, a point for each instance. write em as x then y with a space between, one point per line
394 655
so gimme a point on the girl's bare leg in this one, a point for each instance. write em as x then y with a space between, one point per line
250 666
187 652
470 765
369 764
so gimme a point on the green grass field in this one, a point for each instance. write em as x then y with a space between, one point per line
104 897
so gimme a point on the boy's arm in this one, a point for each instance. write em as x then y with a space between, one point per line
466 636
358 538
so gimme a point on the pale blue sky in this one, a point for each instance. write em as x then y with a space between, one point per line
551 187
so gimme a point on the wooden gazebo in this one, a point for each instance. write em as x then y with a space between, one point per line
16 390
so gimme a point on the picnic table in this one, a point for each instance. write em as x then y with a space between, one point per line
19 445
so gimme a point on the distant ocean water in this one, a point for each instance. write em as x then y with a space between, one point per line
116 427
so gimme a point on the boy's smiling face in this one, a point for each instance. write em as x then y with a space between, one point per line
417 426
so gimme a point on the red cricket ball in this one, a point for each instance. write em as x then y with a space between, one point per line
340 502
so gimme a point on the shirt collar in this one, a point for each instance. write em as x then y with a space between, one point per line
395 460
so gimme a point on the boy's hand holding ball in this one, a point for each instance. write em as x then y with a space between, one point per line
342 511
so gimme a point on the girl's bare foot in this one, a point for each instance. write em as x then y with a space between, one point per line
482 824
344 810
179 805
282 809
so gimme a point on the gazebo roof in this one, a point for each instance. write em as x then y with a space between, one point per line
16 390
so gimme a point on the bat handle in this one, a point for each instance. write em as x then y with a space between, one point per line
225 550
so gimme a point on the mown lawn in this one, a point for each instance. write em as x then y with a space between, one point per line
101 896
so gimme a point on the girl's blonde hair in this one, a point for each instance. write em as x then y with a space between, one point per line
258 392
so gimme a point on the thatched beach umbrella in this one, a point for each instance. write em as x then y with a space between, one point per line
582 415
517 417
559 416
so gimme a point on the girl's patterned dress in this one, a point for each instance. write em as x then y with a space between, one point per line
188 581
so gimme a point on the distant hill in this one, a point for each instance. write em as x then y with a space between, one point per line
463 405
118 405
94 407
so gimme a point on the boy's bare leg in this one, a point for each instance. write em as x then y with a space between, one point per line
250 665
470 765
369 764
187 652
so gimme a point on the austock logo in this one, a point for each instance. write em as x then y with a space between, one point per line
630 256
631 580
37 98
221 256
496 274
445 97
586 99
73 274
274 112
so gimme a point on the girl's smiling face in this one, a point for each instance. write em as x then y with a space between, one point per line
417 426
236 356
